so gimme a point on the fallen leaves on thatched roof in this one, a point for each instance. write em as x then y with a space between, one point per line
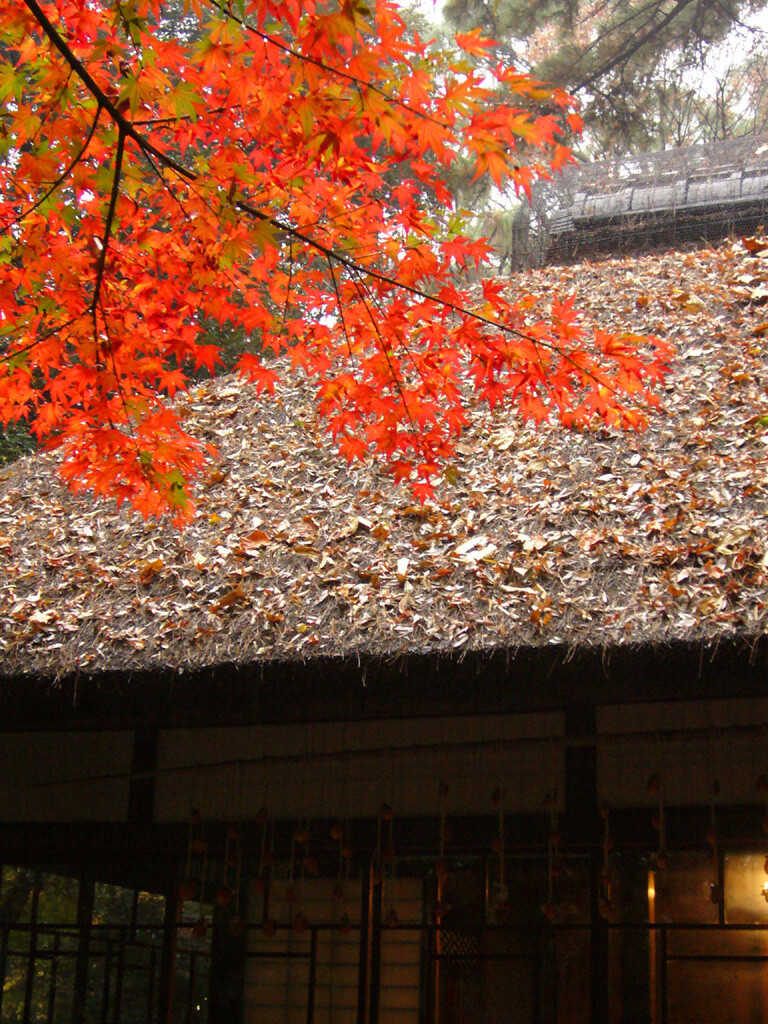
544 536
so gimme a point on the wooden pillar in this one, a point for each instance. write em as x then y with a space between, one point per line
369 978
599 946
227 978
32 951
634 945
362 977
375 965
168 956
85 898
584 829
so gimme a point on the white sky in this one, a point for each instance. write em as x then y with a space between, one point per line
432 9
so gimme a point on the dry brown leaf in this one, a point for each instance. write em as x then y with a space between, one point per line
237 594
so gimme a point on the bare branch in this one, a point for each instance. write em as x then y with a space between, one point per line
637 44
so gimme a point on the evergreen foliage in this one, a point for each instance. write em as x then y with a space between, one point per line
649 74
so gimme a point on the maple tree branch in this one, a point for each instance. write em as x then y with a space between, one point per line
108 220
154 121
288 288
416 367
127 129
46 113
377 275
340 304
118 384
393 372
346 75
125 22
146 146
6 357
62 177
76 64
149 157
342 213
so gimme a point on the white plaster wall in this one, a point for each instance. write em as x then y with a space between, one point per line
726 740
407 760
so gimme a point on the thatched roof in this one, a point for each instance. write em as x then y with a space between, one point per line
548 537
672 197
725 172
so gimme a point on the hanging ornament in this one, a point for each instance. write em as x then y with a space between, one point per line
337 833
441 868
551 908
500 902
387 863
268 924
260 882
200 927
231 868
712 837
605 906
659 821
303 858
761 788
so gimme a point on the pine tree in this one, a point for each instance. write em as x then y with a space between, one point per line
644 70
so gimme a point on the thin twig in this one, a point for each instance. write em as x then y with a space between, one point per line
395 378
108 220
340 305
